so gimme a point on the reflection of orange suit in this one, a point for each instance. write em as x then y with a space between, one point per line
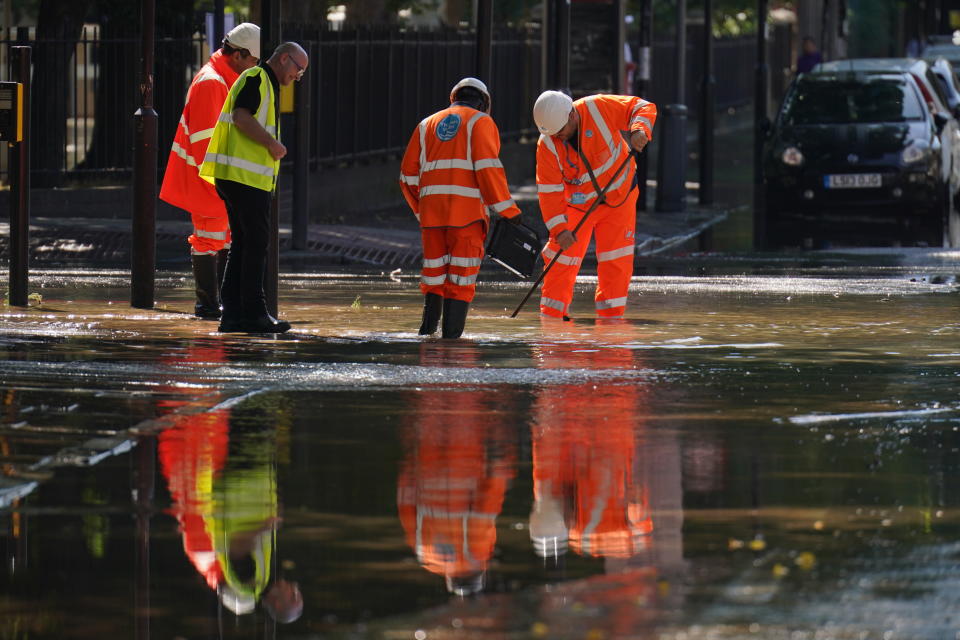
584 440
459 460
191 454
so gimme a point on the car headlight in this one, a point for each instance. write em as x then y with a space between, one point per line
914 153
792 156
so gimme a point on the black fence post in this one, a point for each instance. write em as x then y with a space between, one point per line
218 24
707 106
300 223
143 250
643 81
759 128
19 156
485 40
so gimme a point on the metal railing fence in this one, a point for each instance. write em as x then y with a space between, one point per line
370 88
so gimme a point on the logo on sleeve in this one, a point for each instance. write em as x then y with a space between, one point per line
448 127
578 198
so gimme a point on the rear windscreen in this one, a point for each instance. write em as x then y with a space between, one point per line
833 101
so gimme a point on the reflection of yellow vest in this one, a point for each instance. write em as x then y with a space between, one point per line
231 155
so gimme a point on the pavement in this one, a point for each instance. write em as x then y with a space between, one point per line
381 240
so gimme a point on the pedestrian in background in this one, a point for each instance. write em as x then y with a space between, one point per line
243 160
451 175
182 185
578 154
809 56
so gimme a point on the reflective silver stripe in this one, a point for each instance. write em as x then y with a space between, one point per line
503 206
548 141
612 303
264 107
555 220
201 135
601 125
226 117
570 261
456 278
450 190
433 263
451 163
473 121
180 151
206 73
433 280
553 304
239 163
203 253
422 128
183 123
213 235
643 120
465 262
414 180
549 188
488 164
616 253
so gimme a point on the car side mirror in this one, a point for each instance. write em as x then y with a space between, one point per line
940 119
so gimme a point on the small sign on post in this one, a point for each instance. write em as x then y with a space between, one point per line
15 130
11 111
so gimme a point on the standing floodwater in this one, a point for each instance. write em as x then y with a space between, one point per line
752 456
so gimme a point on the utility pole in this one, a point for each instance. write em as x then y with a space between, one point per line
707 108
270 38
485 41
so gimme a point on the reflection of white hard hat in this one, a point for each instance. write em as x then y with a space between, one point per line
551 111
238 603
245 35
470 82
467 585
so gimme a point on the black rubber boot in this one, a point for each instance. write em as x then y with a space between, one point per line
454 317
207 285
432 310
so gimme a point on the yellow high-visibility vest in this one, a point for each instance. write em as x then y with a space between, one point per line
231 155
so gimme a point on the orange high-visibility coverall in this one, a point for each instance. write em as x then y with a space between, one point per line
458 463
182 185
450 175
584 444
566 192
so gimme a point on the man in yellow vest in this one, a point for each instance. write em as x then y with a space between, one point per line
243 160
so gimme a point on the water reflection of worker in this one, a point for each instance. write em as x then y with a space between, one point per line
459 460
585 492
603 487
221 472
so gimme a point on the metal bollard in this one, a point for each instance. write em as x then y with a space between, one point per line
19 159
672 161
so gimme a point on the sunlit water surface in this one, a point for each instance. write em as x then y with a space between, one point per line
745 456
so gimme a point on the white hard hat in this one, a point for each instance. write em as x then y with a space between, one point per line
245 35
551 111
470 82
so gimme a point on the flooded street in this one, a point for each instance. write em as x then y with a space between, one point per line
765 448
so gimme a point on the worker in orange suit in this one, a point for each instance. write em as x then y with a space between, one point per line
451 175
454 476
578 138
182 186
588 497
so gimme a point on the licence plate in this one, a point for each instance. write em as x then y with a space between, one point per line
853 181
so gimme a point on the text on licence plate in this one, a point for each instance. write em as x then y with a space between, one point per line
853 181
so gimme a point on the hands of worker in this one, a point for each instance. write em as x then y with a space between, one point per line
638 140
566 239
277 149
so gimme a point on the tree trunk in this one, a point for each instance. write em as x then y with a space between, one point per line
58 30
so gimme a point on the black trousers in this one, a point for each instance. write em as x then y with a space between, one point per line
248 210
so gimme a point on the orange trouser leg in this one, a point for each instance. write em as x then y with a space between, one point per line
210 235
558 284
451 260
615 242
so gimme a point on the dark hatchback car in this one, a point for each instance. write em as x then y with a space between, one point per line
855 154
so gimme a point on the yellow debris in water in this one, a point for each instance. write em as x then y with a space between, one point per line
780 571
758 544
806 561
539 630
733 544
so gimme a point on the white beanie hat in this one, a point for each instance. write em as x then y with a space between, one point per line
245 35
551 112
